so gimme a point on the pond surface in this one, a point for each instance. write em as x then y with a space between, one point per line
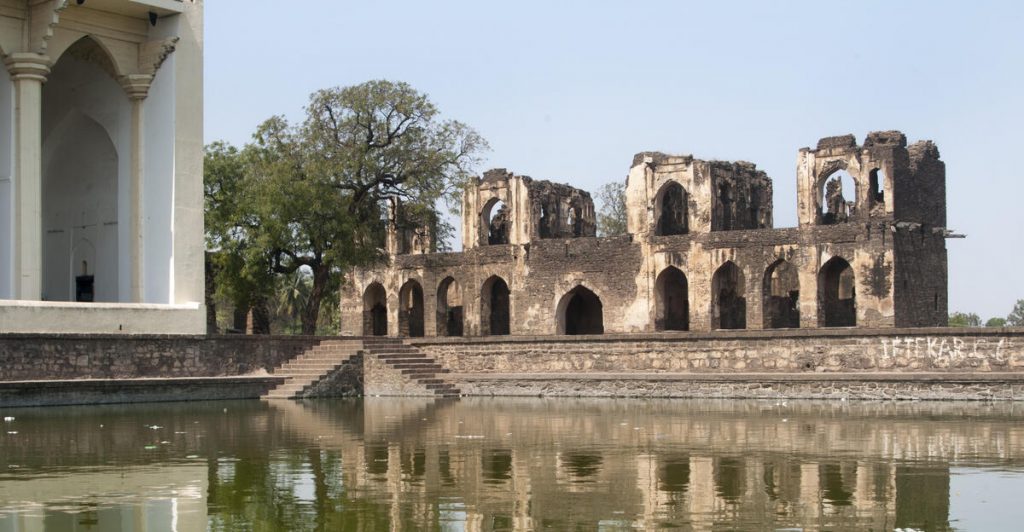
513 464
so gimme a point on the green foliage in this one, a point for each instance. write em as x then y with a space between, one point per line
308 200
996 322
611 218
962 319
1016 317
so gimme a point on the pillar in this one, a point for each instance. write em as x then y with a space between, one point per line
28 73
137 87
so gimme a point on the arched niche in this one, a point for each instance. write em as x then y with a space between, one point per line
580 312
85 161
375 310
494 307
672 304
410 309
495 223
729 304
837 195
449 308
671 210
780 296
837 299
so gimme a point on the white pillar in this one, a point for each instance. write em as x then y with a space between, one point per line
28 73
137 87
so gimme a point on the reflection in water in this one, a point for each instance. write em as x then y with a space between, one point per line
510 464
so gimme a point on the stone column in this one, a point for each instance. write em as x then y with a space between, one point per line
137 87
28 73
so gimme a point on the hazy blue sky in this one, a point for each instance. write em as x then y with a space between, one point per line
569 91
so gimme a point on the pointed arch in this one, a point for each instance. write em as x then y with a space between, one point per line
410 309
837 294
495 223
580 312
449 308
780 296
837 192
375 310
671 211
92 49
495 302
672 304
729 303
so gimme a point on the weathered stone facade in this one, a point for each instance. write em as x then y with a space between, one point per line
700 253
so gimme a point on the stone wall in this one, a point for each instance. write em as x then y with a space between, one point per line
71 356
938 350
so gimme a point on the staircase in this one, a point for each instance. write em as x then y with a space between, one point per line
412 363
315 364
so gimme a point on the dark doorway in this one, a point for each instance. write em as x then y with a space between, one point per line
580 312
494 307
837 294
729 305
781 296
375 311
671 210
672 301
449 308
410 305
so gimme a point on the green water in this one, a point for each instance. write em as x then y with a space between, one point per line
513 464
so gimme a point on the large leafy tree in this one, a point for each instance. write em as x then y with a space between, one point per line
313 195
611 218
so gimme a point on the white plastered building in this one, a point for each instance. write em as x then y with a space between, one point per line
101 166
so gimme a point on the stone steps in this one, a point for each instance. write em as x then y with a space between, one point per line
414 365
312 366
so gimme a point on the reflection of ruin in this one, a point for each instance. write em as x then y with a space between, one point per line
701 253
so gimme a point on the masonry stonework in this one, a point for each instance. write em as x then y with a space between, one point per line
701 253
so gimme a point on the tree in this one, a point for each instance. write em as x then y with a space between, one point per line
611 218
962 319
1016 317
996 322
314 194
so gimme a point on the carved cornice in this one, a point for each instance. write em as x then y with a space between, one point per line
136 85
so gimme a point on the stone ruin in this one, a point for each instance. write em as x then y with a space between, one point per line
701 253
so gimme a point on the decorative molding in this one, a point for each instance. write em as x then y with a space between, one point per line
43 16
152 54
27 66
137 85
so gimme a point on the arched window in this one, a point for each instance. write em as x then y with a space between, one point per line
729 304
580 312
375 311
838 198
449 308
780 296
494 307
671 294
837 301
410 309
495 223
876 192
670 209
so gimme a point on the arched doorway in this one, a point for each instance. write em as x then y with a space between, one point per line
449 308
780 296
410 309
86 133
670 209
837 301
580 312
494 307
729 304
375 310
671 294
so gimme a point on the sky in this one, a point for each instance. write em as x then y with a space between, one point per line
570 90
